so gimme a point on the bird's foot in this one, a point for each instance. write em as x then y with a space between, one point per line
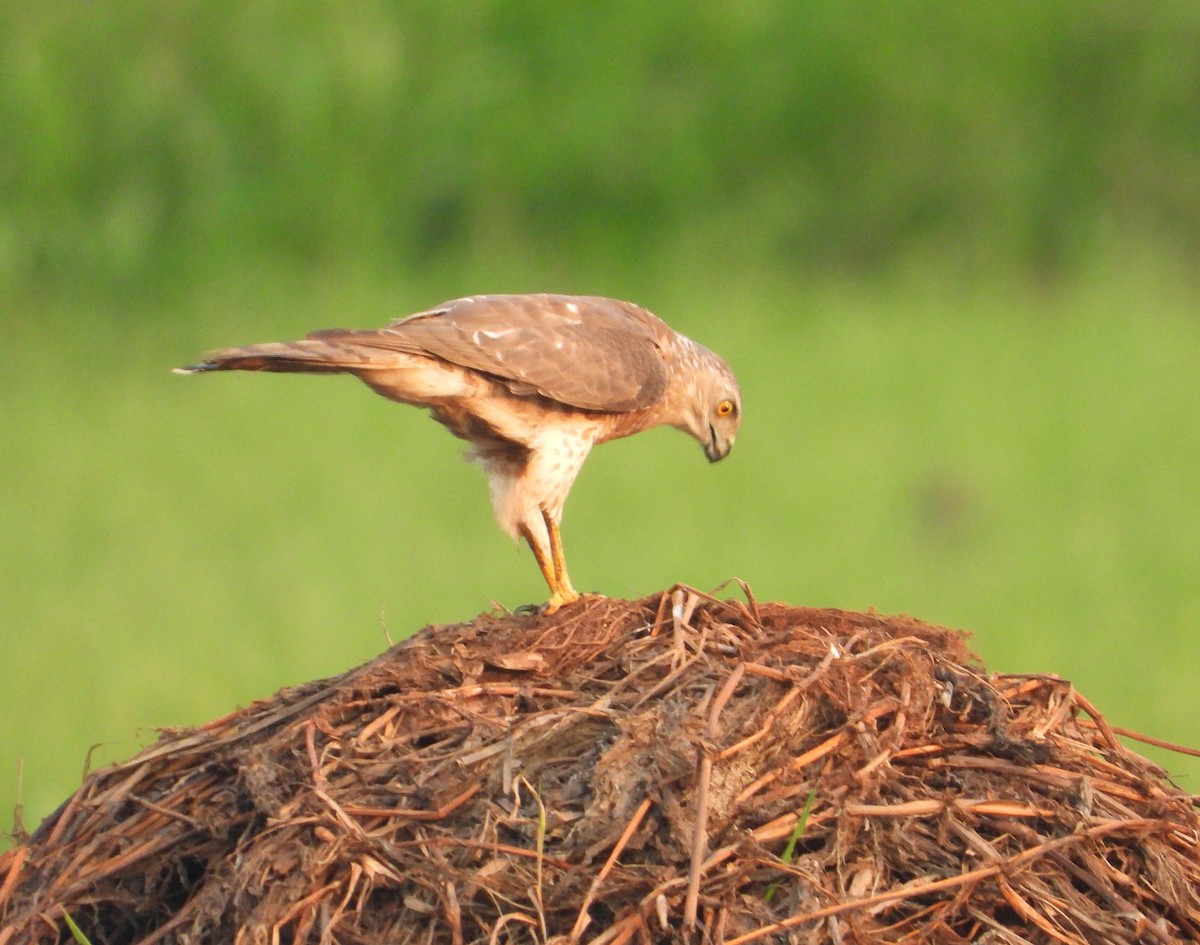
559 599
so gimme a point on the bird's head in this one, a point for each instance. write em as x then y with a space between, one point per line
713 409
722 427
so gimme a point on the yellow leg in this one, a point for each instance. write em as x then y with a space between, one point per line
549 561
544 560
565 592
552 564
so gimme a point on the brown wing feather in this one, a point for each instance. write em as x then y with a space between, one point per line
585 351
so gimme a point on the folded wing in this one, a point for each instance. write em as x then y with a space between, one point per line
587 352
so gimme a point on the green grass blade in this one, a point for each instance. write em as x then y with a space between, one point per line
789 850
76 932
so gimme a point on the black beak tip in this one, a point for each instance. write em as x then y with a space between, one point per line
714 452
715 448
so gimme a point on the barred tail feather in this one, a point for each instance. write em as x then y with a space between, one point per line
310 356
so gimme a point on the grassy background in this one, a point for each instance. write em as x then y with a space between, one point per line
954 269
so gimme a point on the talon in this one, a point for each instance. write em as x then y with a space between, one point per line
560 599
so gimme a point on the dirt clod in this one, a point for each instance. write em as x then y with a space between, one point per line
630 771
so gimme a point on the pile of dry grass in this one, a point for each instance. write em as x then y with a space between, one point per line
630 771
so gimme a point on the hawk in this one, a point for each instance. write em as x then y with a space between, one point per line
532 382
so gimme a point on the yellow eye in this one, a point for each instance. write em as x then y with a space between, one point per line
725 408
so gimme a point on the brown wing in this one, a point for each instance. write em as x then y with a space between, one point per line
585 351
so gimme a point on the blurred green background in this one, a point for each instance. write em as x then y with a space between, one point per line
951 250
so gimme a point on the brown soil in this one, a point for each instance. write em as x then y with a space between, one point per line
675 769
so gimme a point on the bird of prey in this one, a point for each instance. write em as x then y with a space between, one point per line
532 382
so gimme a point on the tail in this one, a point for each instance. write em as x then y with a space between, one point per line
310 356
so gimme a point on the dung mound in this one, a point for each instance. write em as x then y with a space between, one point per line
675 769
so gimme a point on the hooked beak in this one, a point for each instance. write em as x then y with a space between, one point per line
715 448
